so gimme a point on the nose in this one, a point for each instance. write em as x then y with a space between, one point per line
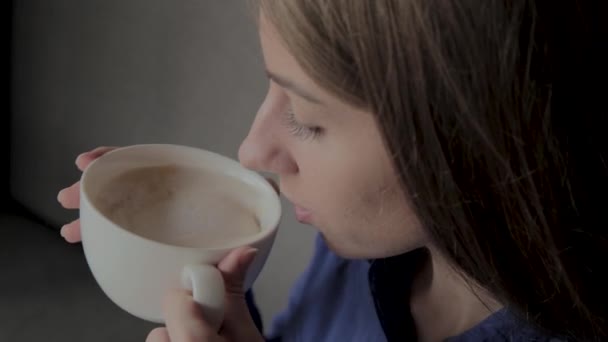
264 148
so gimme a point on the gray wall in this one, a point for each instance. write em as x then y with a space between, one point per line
114 72
5 114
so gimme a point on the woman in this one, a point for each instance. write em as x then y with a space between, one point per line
455 145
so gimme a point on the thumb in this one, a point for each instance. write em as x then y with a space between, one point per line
234 270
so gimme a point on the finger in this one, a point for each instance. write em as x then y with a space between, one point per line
274 185
84 159
238 324
158 335
70 196
234 268
71 232
184 318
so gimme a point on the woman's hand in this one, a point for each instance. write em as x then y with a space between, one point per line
70 197
185 321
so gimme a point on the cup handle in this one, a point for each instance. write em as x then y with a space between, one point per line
207 286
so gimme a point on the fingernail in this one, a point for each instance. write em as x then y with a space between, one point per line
62 231
249 254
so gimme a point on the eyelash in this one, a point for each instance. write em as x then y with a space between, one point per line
301 131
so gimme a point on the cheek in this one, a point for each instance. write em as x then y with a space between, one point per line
379 224
365 214
348 183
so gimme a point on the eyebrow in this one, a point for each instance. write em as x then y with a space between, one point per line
287 84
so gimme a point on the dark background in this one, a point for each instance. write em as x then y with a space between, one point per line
5 117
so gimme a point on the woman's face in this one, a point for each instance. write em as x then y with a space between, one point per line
330 160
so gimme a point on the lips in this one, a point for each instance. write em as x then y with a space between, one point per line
303 215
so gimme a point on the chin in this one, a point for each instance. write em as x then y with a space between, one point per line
352 249
344 249
340 250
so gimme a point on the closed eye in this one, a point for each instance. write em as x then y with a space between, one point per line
299 130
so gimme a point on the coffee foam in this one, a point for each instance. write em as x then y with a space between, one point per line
180 206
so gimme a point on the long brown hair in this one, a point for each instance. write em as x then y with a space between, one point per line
496 127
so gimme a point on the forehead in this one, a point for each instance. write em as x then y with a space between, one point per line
276 56
280 61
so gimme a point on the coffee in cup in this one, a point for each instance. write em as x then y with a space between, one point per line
181 206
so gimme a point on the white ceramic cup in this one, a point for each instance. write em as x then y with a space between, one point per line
136 272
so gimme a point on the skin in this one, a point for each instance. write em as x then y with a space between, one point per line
332 164
341 175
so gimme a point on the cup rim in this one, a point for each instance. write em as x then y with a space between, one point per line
261 181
